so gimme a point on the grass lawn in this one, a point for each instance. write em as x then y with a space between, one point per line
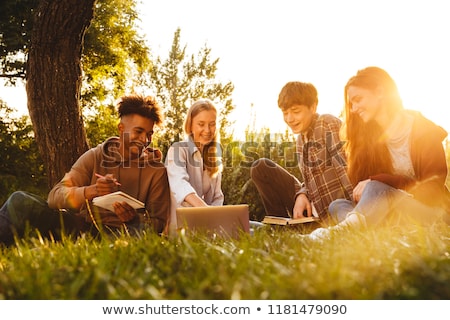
274 263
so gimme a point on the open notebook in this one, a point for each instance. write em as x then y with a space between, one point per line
228 221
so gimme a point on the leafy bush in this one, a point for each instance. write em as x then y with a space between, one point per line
21 166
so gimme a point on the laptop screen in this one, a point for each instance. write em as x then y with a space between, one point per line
228 221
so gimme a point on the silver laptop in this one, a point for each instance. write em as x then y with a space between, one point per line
228 221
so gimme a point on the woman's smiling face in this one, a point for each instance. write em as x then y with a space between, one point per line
364 102
204 126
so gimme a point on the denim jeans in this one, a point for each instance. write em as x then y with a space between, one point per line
24 211
380 202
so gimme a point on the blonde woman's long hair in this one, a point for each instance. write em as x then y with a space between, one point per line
366 148
212 152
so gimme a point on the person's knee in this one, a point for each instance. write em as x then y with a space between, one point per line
335 206
339 208
11 215
17 199
261 162
260 165
377 186
22 204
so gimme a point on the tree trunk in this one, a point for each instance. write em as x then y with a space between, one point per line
54 82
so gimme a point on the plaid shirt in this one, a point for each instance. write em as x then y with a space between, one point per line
323 164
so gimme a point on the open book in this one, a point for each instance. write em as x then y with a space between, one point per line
108 200
283 221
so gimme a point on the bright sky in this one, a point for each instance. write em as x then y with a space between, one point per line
264 44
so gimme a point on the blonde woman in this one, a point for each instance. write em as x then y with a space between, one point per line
194 165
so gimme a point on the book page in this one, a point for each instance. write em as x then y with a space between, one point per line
287 221
108 200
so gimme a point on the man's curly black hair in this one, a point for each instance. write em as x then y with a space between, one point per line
145 106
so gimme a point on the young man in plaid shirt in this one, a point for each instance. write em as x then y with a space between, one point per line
321 160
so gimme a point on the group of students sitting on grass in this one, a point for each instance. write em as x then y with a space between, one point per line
381 164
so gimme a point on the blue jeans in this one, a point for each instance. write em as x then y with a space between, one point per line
24 211
380 202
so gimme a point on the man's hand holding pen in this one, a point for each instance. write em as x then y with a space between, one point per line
108 184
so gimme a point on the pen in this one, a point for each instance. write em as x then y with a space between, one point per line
114 180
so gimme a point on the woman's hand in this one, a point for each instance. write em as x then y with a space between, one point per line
194 200
358 190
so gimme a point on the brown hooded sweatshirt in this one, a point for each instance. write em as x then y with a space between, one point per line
144 178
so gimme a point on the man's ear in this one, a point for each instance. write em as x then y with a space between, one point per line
120 127
314 107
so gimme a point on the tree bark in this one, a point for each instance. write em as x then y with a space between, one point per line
54 82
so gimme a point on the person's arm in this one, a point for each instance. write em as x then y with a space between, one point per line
430 166
394 180
302 203
158 199
179 180
218 194
75 187
301 199
194 200
336 152
432 171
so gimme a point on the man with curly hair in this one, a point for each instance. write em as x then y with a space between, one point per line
122 163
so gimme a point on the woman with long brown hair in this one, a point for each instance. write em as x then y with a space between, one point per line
396 158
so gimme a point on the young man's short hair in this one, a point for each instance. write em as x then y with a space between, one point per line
296 92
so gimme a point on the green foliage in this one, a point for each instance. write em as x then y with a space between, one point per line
115 59
180 80
114 54
21 167
15 26
102 124
273 264
177 81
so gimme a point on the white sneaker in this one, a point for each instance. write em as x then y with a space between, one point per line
319 234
